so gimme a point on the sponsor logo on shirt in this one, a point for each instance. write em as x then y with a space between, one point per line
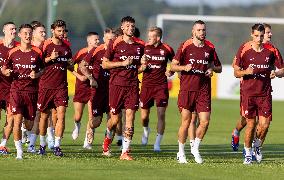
198 61
206 54
162 52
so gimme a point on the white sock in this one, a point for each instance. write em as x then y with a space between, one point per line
3 142
18 145
181 147
248 151
32 139
42 141
197 142
236 132
159 138
50 132
146 131
57 141
257 142
191 142
108 134
77 125
125 144
119 138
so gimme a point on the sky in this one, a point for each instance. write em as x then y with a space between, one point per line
218 3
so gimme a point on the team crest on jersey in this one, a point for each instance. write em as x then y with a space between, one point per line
266 59
206 54
162 52
138 50
32 58
66 52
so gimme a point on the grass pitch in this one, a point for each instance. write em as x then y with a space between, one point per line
219 160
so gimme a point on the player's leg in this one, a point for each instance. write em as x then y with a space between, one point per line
92 123
78 112
59 130
43 122
18 135
7 131
118 130
145 123
50 128
241 123
34 133
192 129
161 113
182 134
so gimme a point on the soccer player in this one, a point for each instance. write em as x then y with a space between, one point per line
99 95
6 44
254 63
196 59
242 121
155 84
123 58
82 87
53 91
23 64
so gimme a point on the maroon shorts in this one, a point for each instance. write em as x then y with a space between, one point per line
99 101
150 94
121 97
52 98
199 101
24 103
82 95
4 98
253 106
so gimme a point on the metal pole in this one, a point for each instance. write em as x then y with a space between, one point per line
51 13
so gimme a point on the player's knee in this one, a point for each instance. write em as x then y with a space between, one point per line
128 133
204 123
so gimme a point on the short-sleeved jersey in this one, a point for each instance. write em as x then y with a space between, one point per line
5 82
83 54
119 50
98 72
55 74
22 63
259 83
158 56
200 58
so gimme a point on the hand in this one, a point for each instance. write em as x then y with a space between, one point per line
127 62
53 55
143 67
272 74
169 73
144 59
187 67
7 72
249 70
33 74
209 72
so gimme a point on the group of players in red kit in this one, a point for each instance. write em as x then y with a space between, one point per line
34 88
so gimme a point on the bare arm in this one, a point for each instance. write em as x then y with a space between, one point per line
240 73
176 67
107 64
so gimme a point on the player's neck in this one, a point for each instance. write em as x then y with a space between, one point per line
37 43
8 42
89 48
127 39
56 41
257 47
157 44
197 42
25 47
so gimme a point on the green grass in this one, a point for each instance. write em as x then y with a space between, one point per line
219 160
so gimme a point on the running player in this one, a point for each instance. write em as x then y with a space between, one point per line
99 97
254 63
53 91
154 84
6 44
123 58
196 59
82 87
242 121
23 64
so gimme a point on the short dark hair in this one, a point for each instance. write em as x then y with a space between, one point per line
25 26
127 19
92 34
198 22
108 30
58 23
258 27
118 32
9 22
267 25
36 24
